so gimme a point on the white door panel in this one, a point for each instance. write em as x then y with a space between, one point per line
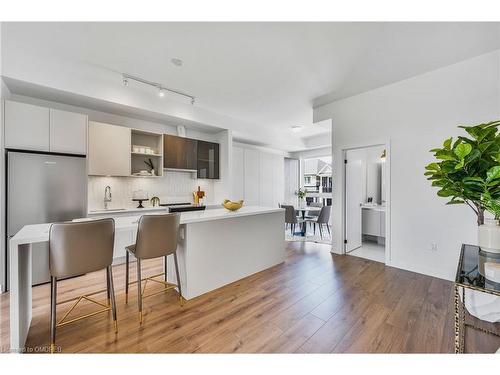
354 197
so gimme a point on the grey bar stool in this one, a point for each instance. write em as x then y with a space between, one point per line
76 248
157 236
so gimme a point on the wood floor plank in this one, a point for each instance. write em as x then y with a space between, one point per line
292 339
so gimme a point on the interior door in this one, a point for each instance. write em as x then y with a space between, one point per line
353 199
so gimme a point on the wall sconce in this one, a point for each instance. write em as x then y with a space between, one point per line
383 156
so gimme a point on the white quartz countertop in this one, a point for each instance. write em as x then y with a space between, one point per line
111 211
40 232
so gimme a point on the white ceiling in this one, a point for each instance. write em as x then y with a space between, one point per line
270 74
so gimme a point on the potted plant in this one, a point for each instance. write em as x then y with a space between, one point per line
301 193
467 171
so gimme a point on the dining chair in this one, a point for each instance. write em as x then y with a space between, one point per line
157 236
290 217
322 219
77 248
313 214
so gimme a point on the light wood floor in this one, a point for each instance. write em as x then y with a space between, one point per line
315 302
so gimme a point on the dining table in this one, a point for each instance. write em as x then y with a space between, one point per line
303 209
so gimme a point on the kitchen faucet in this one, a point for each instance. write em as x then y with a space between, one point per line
107 196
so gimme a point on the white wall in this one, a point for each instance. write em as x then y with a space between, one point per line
415 115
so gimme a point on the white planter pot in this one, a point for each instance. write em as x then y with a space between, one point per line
482 305
488 236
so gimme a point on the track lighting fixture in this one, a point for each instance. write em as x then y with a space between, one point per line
161 89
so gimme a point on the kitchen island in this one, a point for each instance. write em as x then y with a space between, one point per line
216 247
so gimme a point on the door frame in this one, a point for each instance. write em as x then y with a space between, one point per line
387 145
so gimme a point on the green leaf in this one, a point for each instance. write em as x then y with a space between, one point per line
462 150
445 155
460 165
447 143
493 173
445 193
455 201
433 167
439 183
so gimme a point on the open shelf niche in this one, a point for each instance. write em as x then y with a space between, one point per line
145 146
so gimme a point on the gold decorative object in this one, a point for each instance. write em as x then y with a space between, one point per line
197 195
155 201
232 206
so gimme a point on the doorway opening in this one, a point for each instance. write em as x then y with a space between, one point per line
311 213
365 197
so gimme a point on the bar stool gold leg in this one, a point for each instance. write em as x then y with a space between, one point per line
126 274
181 299
109 272
165 268
139 289
53 306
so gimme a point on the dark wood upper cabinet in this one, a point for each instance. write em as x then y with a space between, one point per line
179 152
208 160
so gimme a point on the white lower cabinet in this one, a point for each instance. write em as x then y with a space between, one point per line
373 222
123 239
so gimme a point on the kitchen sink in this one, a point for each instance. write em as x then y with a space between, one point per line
108 210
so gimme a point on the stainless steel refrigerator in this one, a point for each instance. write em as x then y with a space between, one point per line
43 188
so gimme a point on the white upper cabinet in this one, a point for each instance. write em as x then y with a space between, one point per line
266 179
109 151
238 175
26 126
278 179
252 177
68 132
258 177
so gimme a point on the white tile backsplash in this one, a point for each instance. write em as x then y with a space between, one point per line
173 187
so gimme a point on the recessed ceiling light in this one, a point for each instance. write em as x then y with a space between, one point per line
176 62
297 128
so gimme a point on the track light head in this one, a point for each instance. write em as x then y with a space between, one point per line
125 82
192 101
161 93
